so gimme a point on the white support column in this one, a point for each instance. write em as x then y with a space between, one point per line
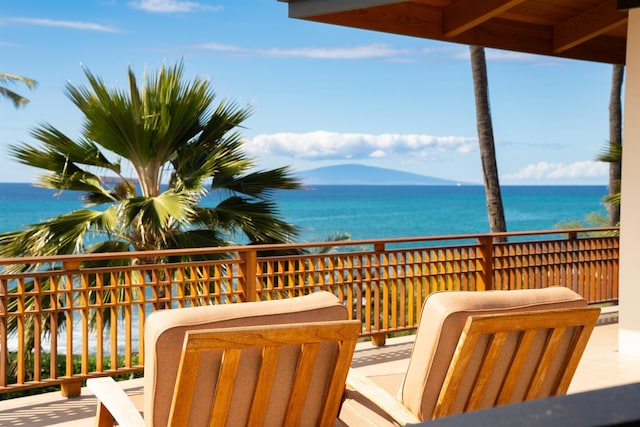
629 326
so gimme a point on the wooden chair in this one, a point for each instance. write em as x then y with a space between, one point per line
480 350
271 374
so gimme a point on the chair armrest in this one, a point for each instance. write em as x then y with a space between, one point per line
379 397
112 398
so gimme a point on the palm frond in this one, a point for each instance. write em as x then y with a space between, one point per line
261 184
79 181
613 199
65 159
227 116
44 159
198 238
199 163
257 220
7 77
109 246
15 98
612 153
84 151
63 234
122 190
216 150
158 216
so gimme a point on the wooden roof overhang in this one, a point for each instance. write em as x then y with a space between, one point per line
591 30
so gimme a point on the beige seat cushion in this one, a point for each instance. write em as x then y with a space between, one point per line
164 335
358 411
443 317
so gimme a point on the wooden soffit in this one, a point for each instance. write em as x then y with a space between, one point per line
591 30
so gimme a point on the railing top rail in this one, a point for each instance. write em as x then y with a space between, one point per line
275 247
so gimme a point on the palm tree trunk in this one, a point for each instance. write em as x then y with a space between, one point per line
493 195
615 137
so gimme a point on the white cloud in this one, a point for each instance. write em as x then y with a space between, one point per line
171 6
575 170
323 145
374 50
380 51
77 25
220 47
495 55
507 56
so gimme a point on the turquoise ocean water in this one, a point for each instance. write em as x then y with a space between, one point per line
366 212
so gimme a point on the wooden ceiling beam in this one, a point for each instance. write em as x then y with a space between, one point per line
408 18
588 25
607 49
462 15
628 4
509 35
303 9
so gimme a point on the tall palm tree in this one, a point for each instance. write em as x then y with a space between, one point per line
167 131
18 100
493 194
614 155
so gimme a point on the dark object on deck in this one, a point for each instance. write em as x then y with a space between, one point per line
615 406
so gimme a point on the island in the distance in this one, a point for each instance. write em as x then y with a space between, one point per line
355 174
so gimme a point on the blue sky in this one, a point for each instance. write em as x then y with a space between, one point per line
322 95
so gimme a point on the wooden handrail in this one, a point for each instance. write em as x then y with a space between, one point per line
276 247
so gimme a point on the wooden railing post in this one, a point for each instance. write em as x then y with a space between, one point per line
248 268
378 339
485 261
3 332
70 388
573 263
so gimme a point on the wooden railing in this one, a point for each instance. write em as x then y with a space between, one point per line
64 319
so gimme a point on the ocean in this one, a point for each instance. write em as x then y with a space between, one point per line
365 212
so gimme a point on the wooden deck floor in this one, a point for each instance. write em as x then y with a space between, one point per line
601 367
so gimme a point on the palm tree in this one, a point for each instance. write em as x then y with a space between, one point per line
614 153
493 195
18 100
166 131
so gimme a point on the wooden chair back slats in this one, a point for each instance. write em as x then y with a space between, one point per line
538 370
336 386
269 340
185 386
492 354
519 359
550 351
304 370
226 380
270 356
578 346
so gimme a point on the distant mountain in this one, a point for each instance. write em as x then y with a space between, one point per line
354 174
